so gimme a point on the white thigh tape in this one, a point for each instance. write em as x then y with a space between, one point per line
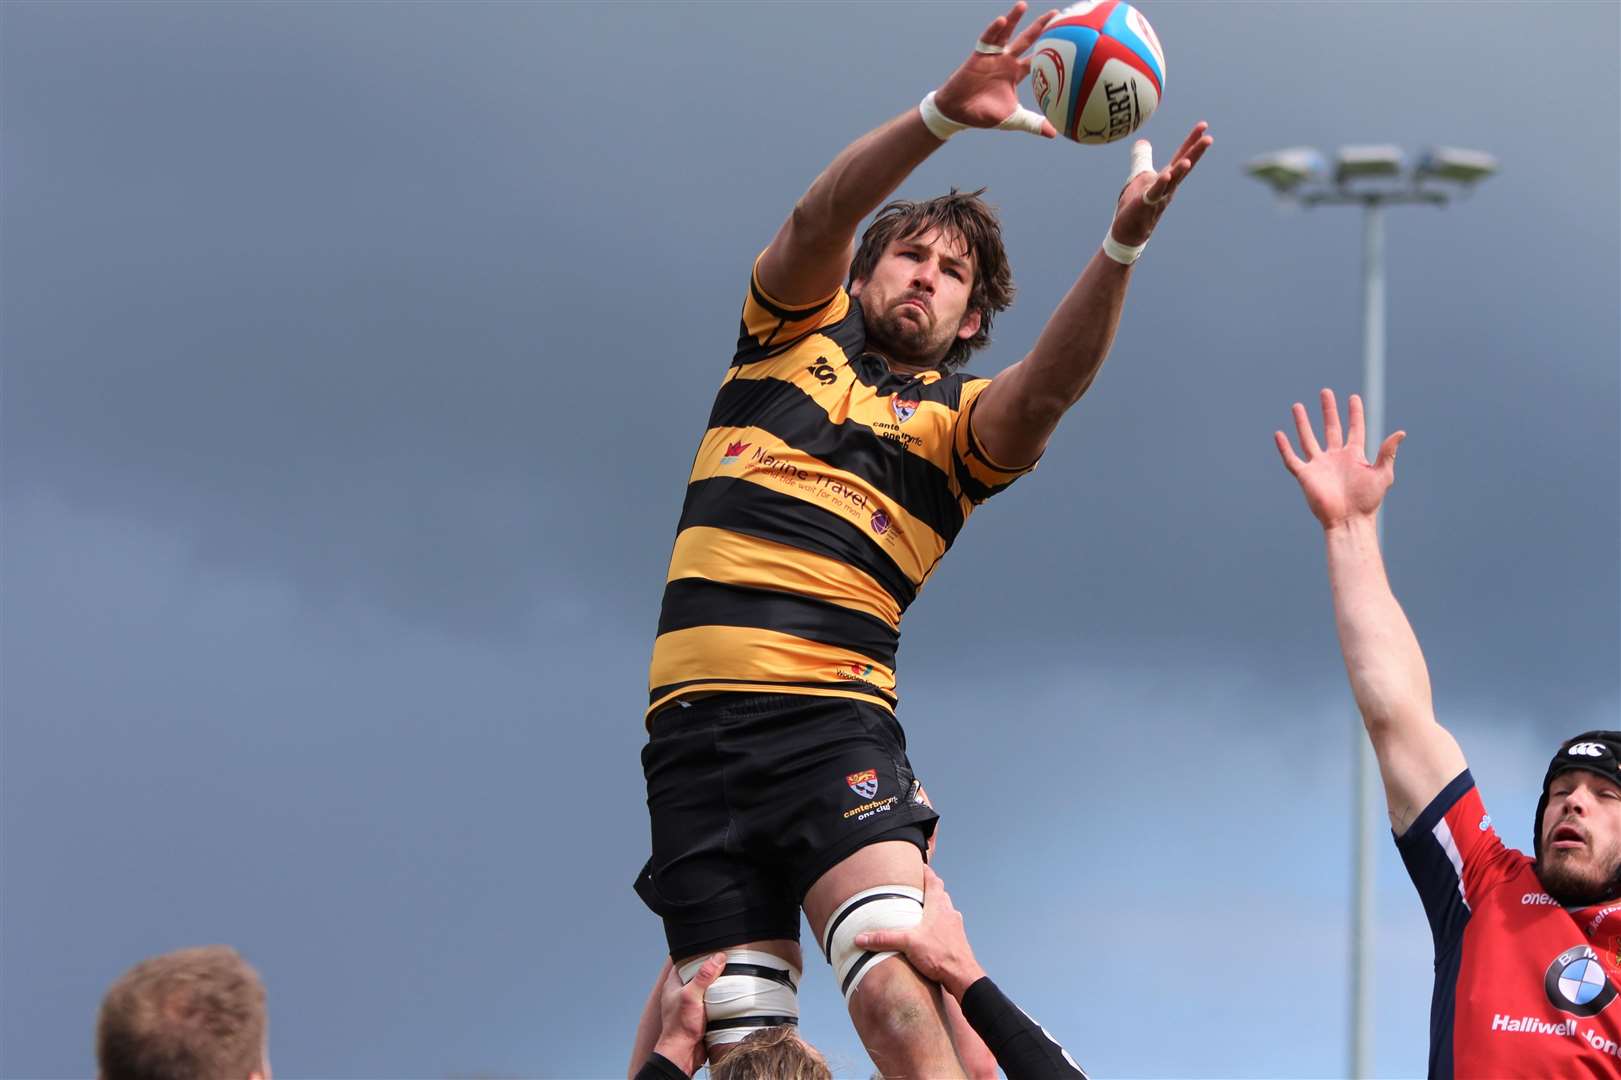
756 990
887 907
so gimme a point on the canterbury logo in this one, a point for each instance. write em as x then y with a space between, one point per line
1586 749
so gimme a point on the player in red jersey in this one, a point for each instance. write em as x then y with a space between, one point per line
1527 950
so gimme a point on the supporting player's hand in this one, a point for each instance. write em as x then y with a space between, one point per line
1338 482
984 91
937 946
681 1008
1148 191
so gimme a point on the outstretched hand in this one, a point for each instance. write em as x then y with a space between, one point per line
983 92
1338 482
1149 191
681 1009
937 946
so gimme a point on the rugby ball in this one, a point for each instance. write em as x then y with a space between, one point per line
1098 71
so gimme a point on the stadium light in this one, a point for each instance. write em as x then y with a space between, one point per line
1370 177
1287 169
1367 163
1459 166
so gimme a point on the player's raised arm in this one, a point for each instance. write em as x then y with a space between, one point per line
811 253
1017 413
1417 756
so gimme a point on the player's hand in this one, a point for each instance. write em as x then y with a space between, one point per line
681 1010
1148 191
1338 482
984 91
937 946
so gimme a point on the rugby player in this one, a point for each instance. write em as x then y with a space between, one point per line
191 1014
1526 947
844 451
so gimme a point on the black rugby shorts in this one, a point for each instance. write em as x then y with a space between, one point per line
755 796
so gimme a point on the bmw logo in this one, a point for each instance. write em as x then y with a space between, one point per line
1576 982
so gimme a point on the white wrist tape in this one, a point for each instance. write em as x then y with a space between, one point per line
1123 254
942 127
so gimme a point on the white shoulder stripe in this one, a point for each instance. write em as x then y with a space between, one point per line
1443 836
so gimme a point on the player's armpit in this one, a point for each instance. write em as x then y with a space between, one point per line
1013 419
801 268
1417 758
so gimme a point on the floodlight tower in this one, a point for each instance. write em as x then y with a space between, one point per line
1371 177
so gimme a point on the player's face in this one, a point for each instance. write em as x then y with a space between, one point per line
916 300
1581 838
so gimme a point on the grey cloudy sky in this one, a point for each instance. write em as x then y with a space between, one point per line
354 355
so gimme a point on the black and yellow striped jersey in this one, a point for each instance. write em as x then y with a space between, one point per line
822 497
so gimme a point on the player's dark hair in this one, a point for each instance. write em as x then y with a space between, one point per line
968 216
193 1014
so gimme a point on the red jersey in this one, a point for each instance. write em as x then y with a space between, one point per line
1523 986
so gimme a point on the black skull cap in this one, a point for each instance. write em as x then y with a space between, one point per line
1596 752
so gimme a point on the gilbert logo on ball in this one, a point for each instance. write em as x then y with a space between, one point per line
1098 71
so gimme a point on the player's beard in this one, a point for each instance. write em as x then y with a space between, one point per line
1579 886
908 340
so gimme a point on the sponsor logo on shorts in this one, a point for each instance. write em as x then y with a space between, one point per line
904 410
1536 898
1576 982
868 809
863 783
733 452
880 522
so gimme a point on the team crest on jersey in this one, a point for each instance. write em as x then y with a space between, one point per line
732 452
1576 982
903 409
863 783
